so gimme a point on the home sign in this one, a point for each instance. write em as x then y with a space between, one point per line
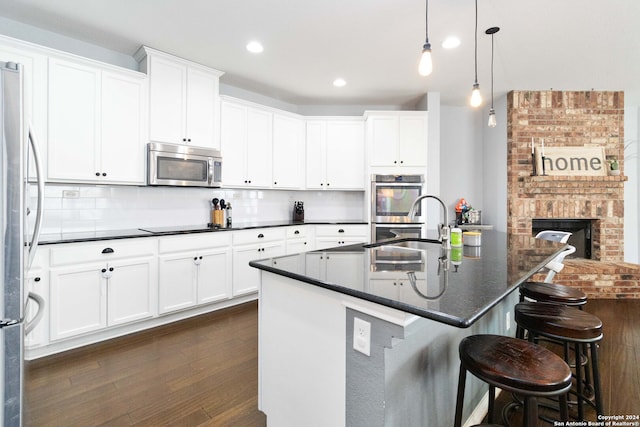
571 161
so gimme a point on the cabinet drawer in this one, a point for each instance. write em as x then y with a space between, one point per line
76 253
258 235
194 242
295 232
344 230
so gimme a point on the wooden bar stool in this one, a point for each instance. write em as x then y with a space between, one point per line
570 326
516 366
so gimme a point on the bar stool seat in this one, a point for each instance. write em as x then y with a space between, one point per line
553 293
567 325
516 366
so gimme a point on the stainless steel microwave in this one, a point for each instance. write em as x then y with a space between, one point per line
183 165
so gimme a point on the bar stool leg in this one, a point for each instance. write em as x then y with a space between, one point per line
460 399
530 411
564 407
492 400
579 385
596 377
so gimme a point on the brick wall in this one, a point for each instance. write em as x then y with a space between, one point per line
571 119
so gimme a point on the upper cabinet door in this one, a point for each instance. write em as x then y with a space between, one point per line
382 134
288 152
233 119
345 155
167 100
74 120
202 101
316 150
259 148
123 136
413 139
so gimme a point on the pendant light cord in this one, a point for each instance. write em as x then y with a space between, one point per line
476 45
426 22
491 71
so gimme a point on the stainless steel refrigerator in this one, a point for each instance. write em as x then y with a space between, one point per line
16 252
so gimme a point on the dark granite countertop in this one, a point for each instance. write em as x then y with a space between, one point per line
455 287
91 236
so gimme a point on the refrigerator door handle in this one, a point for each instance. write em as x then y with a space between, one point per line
30 325
33 246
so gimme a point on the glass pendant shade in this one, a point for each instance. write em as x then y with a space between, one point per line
476 97
492 118
426 65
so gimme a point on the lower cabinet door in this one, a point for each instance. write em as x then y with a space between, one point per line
214 275
245 277
78 302
176 282
130 290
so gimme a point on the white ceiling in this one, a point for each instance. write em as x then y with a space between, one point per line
373 44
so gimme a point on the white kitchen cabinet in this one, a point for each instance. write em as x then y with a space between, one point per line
397 139
249 245
300 239
335 154
183 99
97 131
193 270
328 236
37 281
246 143
288 151
97 285
34 66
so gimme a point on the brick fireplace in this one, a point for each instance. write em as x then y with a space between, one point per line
572 119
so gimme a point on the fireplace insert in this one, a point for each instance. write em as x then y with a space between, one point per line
581 229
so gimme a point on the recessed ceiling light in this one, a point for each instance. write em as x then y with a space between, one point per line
451 42
254 47
339 82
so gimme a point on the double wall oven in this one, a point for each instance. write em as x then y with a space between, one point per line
391 200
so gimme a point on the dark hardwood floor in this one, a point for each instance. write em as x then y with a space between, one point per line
198 372
203 371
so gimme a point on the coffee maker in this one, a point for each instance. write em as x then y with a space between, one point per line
298 211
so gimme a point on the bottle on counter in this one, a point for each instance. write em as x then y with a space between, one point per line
456 237
229 221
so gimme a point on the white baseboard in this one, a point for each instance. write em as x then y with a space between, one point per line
480 410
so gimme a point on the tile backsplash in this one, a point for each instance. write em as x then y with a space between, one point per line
83 208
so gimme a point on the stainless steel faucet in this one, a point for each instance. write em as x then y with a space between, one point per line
443 230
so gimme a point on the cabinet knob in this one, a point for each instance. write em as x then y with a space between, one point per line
395 162
104 270
296 232
97 173
184 139
249 181
305 243
321 184
275 183
110 268
401 161
108 251
188 139
341 230
195 258
36 279
200 257
275 262
260 236
327 184
104 174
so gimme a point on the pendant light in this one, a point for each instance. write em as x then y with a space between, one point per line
426 65
492 113
476 98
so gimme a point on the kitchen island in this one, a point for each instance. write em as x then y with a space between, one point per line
418 301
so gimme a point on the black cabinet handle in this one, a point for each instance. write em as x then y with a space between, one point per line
249 181
108 251
200 257
260 236
184 139
104 174
296 232
341 230
327 184
188 139
395 162
401 161
195 258
305 243
275 183
321 184
110 268
97 173
36 279
104 270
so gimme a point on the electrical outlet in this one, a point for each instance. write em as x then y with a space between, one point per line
70 194
507 321
362 336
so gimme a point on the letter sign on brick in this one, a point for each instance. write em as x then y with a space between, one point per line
572 161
